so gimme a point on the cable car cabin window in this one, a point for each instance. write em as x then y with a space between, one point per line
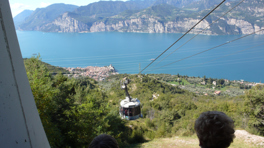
125 111
137 110
121 110
130 111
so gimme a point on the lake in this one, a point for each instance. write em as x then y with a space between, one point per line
130 52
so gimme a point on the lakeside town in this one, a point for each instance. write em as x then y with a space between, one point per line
94 72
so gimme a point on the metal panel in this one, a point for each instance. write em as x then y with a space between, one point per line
20 125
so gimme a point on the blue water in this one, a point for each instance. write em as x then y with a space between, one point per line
125 51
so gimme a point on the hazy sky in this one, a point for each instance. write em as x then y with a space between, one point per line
18 6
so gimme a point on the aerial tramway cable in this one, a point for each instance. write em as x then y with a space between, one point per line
182 67
129 62
222 57
119 55
207 50
200 32
197 65
235 61
135 63
242 60
183 35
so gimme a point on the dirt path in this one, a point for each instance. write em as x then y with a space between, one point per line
243 140
249 138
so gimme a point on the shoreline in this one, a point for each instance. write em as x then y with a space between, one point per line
88 32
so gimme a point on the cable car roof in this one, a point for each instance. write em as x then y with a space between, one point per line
125 103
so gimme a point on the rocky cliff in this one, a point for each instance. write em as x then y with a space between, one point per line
153 25
65 23
150 25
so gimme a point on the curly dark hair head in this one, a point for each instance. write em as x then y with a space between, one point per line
104 141
214 129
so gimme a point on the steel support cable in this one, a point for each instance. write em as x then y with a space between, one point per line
234 62
136 62
192 65
117 56
222 57
217 64
108 56
89 59
127 55
200 32
145 61
241 60
123 55
207 50
183 35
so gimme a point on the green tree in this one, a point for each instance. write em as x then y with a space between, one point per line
72 111
210 81
220 82
254 108
41 87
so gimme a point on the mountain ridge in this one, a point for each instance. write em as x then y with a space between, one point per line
19 19
158 18
42 16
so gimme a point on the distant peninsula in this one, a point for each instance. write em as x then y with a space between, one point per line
148 16
94 72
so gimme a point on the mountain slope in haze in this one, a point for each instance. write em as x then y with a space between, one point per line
98 10
203 4
18 19
244 19
107 8
42 16
162 18
121 22
175 3
199 5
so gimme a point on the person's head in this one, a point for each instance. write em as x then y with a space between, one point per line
214 130
104 141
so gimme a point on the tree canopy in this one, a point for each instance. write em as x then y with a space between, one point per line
75 110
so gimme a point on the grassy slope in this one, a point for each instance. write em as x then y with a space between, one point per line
193 84
188 142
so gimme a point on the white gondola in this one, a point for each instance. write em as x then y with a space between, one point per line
129 108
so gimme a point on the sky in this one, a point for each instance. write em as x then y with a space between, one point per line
18 6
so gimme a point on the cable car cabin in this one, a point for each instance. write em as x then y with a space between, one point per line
130 110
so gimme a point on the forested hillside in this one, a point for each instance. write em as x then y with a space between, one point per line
73 111
52 69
